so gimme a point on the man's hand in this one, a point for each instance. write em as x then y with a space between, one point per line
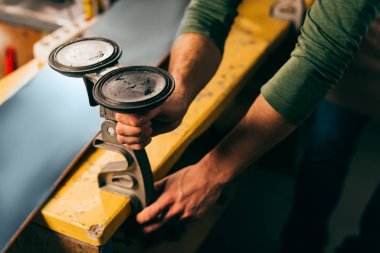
135 131
191 191
185 194
194 59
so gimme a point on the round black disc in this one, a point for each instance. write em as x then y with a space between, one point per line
133 89
82 56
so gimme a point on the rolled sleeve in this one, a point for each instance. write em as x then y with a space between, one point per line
332 32
212 18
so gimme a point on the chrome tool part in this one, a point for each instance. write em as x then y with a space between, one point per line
83 56
133 89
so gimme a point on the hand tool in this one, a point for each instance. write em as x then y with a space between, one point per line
116 88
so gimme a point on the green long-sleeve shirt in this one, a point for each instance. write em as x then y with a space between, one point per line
329 37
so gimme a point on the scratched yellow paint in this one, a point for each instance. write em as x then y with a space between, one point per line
80 210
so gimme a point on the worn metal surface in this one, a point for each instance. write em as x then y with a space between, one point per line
84 56
133 89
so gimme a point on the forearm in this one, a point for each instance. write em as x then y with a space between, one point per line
194 59
191 191
260 130
197 52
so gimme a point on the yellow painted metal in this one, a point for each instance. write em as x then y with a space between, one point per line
11 83
80 210
309 3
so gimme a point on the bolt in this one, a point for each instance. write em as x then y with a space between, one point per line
111 131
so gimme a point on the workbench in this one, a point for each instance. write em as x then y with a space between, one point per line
80 217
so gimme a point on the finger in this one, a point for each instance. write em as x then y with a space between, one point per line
151 212
135 120
131 140
159 186
187 217
126 130
153 227
173 216
137 146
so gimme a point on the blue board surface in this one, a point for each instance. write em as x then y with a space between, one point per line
48 122
42 129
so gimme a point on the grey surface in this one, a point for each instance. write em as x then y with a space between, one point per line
46 124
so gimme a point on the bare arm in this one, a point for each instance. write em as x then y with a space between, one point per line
260 130
331 33
194 59
192 190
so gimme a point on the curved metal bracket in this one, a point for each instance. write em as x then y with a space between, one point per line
133 177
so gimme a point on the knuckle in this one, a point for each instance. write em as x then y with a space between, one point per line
136 146
139 132
141 217
118 116
134 122
168 199
120 139
140 121
150 214
177 210
119 129
139 146
187 215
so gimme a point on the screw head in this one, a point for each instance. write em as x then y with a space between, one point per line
111 131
